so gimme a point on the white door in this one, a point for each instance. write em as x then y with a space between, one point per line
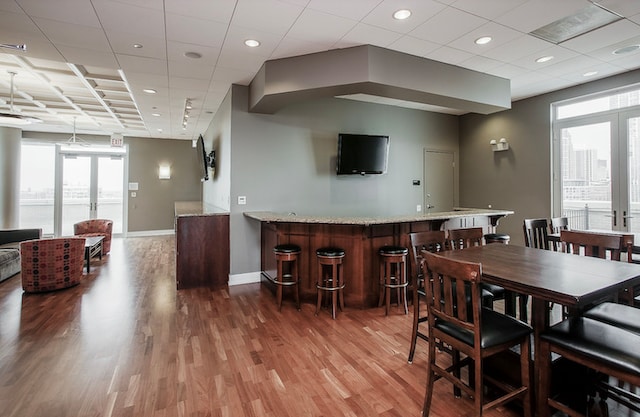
439 181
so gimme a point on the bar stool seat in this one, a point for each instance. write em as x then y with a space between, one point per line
497 238
393 275
287 270
330 278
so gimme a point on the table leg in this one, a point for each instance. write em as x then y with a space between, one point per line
540 320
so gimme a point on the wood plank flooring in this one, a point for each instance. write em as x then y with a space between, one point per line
126 343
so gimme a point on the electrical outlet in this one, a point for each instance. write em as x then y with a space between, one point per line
418 208
242 199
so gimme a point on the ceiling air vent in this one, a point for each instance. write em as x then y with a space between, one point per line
585 20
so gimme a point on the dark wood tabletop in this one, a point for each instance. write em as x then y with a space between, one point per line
556 277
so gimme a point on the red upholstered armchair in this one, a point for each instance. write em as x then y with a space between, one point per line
51 264
95 227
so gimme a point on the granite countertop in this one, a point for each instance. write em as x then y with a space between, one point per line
196 208
268 216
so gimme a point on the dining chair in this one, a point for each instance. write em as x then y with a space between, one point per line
432 241
555 226
472 236
600 245
536 233
471 330
558 223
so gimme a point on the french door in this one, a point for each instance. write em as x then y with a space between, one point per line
91 186
597 171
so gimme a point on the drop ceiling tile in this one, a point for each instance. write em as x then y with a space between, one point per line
353 10
195 31
313 26
421 10
182 83
602 69
606 54
500 35
237 35
507 71
624 8
240 61
130 18
88 56
488 9
289 47
177 51
218 11
558 53
365 34
441 28
233 75
122 43
480 63
524 45
142 64
571 66
79 36
414 46
69 11
271 16
449 55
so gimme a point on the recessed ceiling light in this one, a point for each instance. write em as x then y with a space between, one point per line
194 55
156 114
137 45
483 40
589 73
252 43
626 49
149 91
402 14
544 59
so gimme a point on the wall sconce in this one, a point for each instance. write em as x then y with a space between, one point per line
164 172
501 145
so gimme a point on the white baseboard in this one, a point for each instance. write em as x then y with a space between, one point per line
248 278
145 233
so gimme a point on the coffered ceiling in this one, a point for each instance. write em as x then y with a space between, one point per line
88 62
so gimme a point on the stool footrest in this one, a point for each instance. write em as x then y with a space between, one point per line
330 288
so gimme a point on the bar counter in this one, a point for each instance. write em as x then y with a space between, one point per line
360 237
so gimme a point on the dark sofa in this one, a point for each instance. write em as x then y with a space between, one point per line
10 249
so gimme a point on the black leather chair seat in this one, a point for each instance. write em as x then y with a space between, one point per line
393 250
496 329
497 291
613 346
330 252
619 315
287 248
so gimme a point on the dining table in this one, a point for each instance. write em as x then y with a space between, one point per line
549 277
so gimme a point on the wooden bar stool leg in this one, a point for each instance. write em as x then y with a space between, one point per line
403 281
383 287
279 287
334 293
295 277
319 290
341 286
388 289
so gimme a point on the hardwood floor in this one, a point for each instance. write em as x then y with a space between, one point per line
126 343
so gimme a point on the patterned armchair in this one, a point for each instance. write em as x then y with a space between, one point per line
51 264
95 227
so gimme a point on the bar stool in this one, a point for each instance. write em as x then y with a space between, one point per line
287 270
497 238
330 277
393 275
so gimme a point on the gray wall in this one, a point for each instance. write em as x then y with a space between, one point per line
286 163
518 179
153 207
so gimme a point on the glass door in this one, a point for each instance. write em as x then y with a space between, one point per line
599 171
585 174
77 202
630 160
91 186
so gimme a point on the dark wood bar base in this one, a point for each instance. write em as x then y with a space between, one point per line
360 243
202 250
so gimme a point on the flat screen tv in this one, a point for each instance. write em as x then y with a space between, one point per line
202 158
362 154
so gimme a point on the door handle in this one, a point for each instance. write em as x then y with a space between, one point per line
624 218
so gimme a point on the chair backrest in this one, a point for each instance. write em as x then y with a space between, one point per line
51 264
535 233
464 238
455 290
600 245
431 241
558 224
